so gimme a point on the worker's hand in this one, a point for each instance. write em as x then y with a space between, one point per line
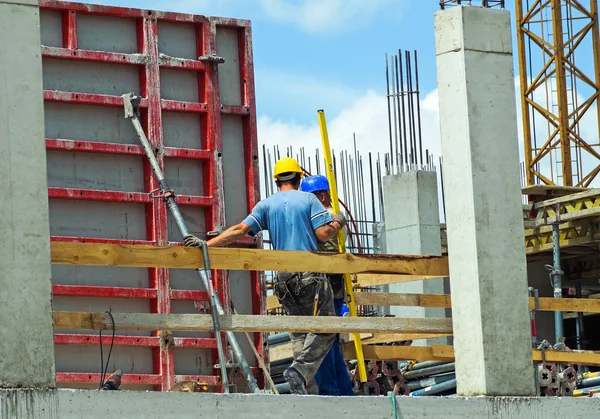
340 219
192 241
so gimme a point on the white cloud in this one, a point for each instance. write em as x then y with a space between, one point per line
366 116
318 16
312 16
300 93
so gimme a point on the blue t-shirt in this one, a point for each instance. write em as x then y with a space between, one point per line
291 218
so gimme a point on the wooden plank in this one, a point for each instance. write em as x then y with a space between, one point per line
398 337
397 353
583 305
550 190
406 300
571 216
103 254
279 352
587 193
372 280
272 302
446 353
248 323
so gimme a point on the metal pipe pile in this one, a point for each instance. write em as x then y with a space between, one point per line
403 378
406 378
556 379
587 384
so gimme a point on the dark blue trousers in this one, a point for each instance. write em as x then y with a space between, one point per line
332 377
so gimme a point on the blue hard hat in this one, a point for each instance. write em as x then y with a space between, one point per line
314 183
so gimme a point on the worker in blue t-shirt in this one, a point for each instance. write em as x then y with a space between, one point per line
332 378
295 221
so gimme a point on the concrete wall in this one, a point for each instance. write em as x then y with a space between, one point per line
26 357
77 404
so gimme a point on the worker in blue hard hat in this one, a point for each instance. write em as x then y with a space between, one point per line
332 377
296 221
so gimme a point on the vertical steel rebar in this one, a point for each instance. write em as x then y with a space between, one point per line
265 172
270 172
442 186
418 106
387 88
404 137
379 188
411 109
399 164
372 189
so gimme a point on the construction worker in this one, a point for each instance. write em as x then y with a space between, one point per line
295 220
333 378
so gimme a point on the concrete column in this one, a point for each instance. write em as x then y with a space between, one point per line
412 227
488 271
26 346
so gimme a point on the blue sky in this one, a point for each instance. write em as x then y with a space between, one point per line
329 54
309 55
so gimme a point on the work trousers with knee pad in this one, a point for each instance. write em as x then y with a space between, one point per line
296 292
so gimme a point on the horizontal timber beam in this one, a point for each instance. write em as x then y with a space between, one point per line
446 353
372 280
73 320
140 256
406 300
583 305
395 337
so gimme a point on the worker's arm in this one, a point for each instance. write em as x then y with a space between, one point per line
231 235
324 225
328 231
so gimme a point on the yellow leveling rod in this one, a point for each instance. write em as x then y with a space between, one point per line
362 372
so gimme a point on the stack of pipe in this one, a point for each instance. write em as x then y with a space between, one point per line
588 384
406 378
403 378
556 379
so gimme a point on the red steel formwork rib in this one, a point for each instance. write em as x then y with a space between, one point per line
149 63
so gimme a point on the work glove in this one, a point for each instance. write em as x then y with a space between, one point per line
192 241
339 218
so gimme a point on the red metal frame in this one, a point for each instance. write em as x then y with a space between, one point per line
209 109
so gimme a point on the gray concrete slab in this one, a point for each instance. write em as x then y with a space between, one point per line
483 202
26 356
75 404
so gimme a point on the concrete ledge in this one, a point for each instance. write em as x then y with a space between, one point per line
76 404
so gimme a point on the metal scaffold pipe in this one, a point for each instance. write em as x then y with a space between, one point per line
556 275
423 372
431 381
131 105
436 389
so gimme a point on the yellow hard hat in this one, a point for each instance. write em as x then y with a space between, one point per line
287 165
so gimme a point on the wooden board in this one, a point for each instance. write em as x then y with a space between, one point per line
272 302
279 352
407 300
583 305
540 191
584 193
248 323
372 280
102 254
397 337
446 353
398 353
